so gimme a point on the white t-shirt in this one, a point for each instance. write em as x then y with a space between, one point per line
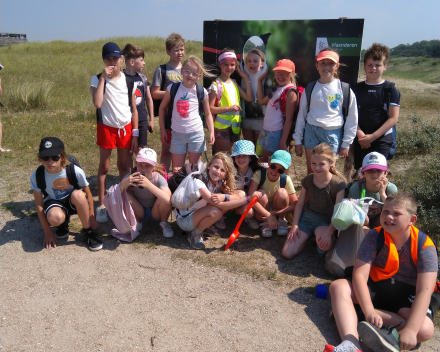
326 112
230 90
186 118
57 185
115 108
273 119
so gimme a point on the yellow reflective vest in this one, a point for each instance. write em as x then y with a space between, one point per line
229 118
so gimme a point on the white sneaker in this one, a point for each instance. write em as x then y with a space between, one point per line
265 230
252 223
221 223
101 214
283 230
167 231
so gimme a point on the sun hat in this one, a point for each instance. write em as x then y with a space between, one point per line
284 65
281 157
147 155
111 49
331 55
374 160
50 146
243 147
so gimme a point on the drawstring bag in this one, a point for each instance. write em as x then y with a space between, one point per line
187 193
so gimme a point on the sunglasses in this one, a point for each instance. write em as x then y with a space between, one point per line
54 158
279 169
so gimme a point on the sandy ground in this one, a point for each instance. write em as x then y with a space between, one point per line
140 298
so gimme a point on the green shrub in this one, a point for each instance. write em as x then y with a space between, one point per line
422 180
421 138
27 95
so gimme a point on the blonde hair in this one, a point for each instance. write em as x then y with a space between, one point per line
326 152
203 69
231 172
404 199
174 39
64 160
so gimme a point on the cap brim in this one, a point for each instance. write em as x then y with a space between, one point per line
285 69
111 55
144 160
282 163
50 152
377 167
327 57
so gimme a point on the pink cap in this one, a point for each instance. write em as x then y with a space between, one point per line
147 155
374 160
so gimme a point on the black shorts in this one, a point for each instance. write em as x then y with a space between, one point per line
143 133
64 204
391 296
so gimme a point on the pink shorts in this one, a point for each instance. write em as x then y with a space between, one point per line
112 137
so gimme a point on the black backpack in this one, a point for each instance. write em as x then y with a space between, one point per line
386 94
283 179
70 171
173 92
175 180
130 86
157 102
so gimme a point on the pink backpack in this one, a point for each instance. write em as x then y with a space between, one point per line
120 211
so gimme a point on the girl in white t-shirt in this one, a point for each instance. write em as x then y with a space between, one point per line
281 105
322 120
226 106
186 122
218 195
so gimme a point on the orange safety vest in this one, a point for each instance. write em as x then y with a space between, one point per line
419 240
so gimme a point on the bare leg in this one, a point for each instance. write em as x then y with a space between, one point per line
56 216
122 163
206 216
79 201
319 232
193 157
280 200
178 161
309 160
222 145
250 135
162 211
104 166
137 207
165 156
266 155
291 249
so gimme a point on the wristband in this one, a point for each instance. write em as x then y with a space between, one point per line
135 132
247 199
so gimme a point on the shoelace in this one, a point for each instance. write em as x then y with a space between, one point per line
391 327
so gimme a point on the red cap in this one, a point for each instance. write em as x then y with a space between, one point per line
284 65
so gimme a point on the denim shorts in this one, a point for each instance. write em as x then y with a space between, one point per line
272 140
148 216
193 142
314 135
309 222
186 223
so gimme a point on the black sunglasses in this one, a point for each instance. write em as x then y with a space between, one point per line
280 170
54 158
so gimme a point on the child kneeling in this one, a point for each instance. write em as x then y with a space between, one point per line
61 198
393 281
148 191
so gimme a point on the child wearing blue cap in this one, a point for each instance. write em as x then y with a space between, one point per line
279 197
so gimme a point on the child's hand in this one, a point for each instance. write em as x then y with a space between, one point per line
50 240
151 125
211 138
257 194
263 76
343 152
293 234
324 241
164 137
283 146
242 73
299 150
374 319
408 339
217 197
272 222
142 181
134 144
383 183
365 141
108 72
234 108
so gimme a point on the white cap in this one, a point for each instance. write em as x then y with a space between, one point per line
147 155
374 160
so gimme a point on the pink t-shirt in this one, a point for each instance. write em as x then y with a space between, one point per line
273 120
186 118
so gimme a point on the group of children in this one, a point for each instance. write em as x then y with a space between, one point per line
326 126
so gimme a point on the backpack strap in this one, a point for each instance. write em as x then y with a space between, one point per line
145 83
346 97
386 93
309 90
380 241
98 111
283 180
41 180
219 90
163 72
71 176
263 177
130 86
200 98
173 92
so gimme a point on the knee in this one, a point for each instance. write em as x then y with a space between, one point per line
103 169
240 194
56 217
289 251
281 193
426 331
339 288
77 196
216 213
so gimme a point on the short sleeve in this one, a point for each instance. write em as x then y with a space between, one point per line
341 186
368 248
94 82
206 93
81 177
427 261
354 191
257 176
200 184
157 77
391 188
213 87
34 182
161 181
395 97
169 87
305 182
289 186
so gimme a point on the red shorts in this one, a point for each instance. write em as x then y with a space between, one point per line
109 138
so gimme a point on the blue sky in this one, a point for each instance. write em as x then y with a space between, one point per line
391 22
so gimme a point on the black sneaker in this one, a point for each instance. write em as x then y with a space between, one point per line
62 231
379 340
91 238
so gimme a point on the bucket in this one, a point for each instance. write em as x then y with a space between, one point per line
343 215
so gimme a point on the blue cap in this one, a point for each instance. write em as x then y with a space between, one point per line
243 147
111 49
281 157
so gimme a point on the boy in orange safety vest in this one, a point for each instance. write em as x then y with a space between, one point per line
393 280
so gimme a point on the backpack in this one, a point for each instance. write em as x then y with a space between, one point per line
70 171
282 99
176 179
386 94
157 102
130 85
173 92
283 179
121 213
345 95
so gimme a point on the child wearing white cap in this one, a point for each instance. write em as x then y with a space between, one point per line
148 191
